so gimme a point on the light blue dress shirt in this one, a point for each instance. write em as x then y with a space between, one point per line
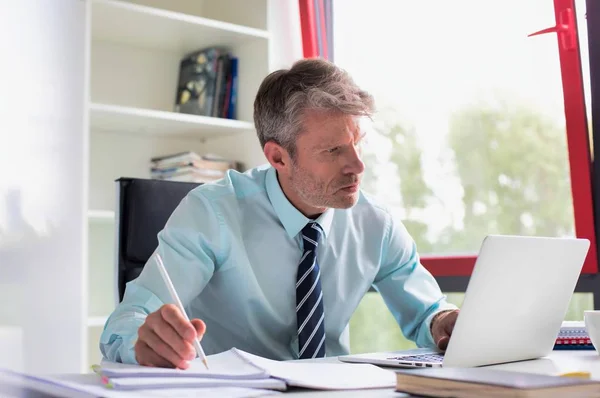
232 249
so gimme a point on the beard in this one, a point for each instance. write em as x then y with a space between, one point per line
313 191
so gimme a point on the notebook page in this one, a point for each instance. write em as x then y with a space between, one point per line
325 376
90 386
226 365
137 383
229 392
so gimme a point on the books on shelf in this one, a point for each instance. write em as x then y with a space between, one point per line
190 167
207 84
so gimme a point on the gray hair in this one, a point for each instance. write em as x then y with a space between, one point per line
311 84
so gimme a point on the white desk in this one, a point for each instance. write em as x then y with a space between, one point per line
556 363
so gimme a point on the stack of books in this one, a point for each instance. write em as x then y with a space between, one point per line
190 167
489 382
207 84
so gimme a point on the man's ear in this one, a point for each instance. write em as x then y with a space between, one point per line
277 156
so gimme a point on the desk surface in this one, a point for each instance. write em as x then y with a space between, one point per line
556 363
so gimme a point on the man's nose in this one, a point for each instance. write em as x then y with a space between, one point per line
355 164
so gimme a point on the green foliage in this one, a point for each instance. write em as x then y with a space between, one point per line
512 165
372 328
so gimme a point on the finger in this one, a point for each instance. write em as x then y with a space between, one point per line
147 335
443 342
147 357
185 350
174 317
449 325
200 327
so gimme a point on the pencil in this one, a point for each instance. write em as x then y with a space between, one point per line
175 298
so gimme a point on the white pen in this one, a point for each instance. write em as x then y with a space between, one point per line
175 298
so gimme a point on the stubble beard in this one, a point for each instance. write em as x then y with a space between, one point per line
313 192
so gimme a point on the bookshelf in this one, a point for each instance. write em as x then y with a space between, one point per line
142 26
109 118
134 52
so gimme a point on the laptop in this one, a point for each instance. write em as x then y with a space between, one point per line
514 305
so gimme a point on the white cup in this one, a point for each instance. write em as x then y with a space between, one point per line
592 326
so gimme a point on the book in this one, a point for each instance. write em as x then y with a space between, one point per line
485 382
233 90
179 159
223 76
236 368
191 167
573 336
186 170
197 82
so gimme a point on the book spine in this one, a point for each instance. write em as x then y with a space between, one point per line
231 112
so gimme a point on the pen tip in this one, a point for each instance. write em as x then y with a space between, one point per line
205 362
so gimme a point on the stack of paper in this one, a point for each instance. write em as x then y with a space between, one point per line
14 384
236 368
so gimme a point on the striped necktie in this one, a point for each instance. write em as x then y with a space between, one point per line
309 297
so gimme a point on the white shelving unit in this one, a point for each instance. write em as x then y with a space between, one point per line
107 216
135 49
160 123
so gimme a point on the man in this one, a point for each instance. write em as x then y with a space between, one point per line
274 261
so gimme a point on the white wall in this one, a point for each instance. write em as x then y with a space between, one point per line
43 169
285 47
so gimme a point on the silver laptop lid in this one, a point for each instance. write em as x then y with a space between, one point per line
516 300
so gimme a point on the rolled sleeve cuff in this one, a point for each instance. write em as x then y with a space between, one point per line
118 339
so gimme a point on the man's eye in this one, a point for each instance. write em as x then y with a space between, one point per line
333 150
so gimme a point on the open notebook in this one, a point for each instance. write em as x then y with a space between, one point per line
236 368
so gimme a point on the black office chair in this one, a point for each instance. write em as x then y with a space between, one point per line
144 207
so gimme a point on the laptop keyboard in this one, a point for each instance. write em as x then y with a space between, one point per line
432 358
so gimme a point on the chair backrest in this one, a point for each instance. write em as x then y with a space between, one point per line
142 211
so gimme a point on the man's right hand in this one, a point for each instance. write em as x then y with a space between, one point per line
166 339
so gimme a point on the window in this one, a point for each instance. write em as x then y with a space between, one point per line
470 136
480 129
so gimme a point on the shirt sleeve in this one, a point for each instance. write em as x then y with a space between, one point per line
190 244
408 289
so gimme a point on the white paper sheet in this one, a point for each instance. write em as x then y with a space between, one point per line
236 365
90 386
229 392
132 383
226 365
325 376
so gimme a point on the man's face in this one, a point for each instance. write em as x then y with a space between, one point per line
327 169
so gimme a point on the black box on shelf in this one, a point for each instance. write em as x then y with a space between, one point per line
207 84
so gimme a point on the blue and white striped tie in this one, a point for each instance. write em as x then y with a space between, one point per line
309 297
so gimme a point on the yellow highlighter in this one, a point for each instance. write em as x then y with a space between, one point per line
579 375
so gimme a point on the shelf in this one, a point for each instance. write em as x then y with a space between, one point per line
114 118
142 26
96 321
101 215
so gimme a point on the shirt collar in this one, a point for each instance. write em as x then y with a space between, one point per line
292 219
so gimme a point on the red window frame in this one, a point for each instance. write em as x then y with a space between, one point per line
578 145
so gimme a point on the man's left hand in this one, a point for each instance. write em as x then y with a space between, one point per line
442 326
